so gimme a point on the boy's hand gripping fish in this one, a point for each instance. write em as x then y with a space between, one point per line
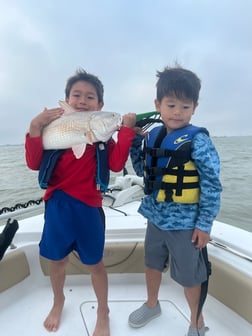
77 129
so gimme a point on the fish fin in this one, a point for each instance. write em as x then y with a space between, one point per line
90 137
66 107
79 150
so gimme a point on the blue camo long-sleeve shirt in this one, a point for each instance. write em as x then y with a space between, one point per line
179 216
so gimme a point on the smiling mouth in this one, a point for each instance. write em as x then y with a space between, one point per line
81 110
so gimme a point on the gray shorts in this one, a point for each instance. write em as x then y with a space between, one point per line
187 265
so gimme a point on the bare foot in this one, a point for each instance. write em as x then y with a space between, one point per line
102 324
52 321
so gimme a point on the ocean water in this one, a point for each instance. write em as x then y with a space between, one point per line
18 184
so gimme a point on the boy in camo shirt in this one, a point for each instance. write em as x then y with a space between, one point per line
181 167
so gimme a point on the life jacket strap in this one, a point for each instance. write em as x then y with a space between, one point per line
51 157
49 160
102 167
182 155
155 171
157 185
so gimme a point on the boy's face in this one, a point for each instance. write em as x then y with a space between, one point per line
83 97
175 113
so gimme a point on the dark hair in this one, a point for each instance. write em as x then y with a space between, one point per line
82 75
179 82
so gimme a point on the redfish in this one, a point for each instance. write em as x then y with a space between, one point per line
77 129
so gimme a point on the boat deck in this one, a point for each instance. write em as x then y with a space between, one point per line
26 303
24 307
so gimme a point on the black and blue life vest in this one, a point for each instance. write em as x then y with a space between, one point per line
170 173
51 157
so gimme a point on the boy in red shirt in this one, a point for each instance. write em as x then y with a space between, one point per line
74 219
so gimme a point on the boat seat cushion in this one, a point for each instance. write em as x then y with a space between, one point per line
14 268
118 258
232 287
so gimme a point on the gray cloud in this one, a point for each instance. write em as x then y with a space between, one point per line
124 44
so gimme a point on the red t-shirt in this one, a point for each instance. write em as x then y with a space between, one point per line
77 177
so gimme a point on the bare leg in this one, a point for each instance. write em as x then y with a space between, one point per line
100 285
57 276
193 296
153 280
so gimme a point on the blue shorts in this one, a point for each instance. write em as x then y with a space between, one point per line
187 267
72 225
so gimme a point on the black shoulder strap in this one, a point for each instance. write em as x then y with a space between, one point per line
49 160
102 170
162 133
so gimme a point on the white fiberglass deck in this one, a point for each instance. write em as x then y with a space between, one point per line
24 307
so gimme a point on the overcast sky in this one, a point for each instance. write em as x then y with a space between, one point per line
125 42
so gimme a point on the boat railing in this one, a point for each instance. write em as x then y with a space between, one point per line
230 250
21 212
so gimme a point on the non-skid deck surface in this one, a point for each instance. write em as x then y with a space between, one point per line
171 321
24 307
25 316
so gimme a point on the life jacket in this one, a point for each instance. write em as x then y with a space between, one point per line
51 157
170 173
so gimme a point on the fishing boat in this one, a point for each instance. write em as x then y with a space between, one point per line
25 291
